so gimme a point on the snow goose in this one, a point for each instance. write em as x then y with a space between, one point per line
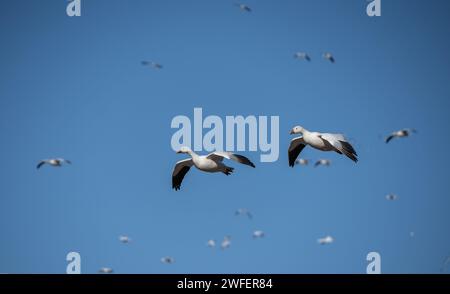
211 243
243 211
391 197
326 240
258 234
328 56
302 56
124 239
302 161
324 162
211 163
319 141
226 243
400 134
243 7
152 64
55 162
106 270
167 260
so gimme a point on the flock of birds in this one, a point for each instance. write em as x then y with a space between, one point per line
214 162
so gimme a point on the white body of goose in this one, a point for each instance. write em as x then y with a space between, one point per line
55 162
211 163
319 141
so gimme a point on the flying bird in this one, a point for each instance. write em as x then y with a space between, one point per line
55 162
302 161
328 56
324 162
243 7
302 56
258 234
391 197
152 64
167 260
106 270
226 243
400 134
211 163
211 243
243 211
319 141
124 239
325 240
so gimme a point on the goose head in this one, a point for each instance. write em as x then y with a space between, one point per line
297 130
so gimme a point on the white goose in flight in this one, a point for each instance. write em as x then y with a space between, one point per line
243 211
400 134
167 260
326 240
302 56
211 163
106 270
302 161
324 162
226 243
124 239
258 234
320 141
328 56
243 7
151 64
55 162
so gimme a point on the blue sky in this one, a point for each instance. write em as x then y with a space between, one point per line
74 88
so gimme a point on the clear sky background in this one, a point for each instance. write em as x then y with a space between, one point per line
75 88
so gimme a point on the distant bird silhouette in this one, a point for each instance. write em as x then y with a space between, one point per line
243 211
258 234
106 270
324 162
167 260
55 162
211 243
391 197
152 64
226 243
400 134
329 57
326 240
243 7
302 56
124 239
302 161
